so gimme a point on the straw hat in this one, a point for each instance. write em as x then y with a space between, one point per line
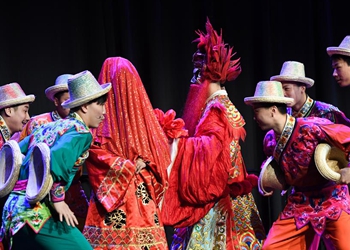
83 87
329 160
271 177
12 94
293 71
10 164
61 84
268 91
343 49
39 180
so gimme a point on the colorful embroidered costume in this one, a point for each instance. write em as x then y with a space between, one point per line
209 187
124 207
315 204
4 137
75 197
209 200
32 227
311 108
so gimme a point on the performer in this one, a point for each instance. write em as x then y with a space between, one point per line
127 167
209 200
75 197
14 113
316 206
29 224
340 57
294 84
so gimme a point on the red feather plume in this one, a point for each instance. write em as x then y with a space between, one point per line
219 66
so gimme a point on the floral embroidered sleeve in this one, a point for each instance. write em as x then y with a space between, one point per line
65 152
57 192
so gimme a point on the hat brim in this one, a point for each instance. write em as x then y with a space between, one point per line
78 102
271 177
39 179
17 101
50 92
329 160
306 80
338 51
268 99
10 164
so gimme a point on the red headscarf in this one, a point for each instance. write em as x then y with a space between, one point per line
130 128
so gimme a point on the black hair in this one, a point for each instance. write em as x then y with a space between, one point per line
341 57
282 107
58 95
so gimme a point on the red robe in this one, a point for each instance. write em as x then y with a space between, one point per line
209 172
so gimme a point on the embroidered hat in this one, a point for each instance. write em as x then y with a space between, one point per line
39 179
293 71
10 164
12 94
61 84
271 177
343 49
268 91
329 160
83 87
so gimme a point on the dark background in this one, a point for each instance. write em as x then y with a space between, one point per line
40 40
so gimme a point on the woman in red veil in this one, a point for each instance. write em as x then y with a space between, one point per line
127 166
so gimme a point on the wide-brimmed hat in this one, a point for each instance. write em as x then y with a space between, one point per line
293 71
329 160
10 164
39 179
343 49
271 177
83 87
61 84
12 94
270 92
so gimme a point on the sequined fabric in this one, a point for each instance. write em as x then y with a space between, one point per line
124 208
130 128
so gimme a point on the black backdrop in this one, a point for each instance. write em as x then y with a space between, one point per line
40 40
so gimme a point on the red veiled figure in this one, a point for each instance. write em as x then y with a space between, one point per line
124 208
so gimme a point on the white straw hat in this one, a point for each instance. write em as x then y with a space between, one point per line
39 179
271 177
270 92
293 71
83 87
61 84
10 164
329 160
343 49
12 94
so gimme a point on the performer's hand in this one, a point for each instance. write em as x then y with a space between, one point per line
140 164
64 211
344 175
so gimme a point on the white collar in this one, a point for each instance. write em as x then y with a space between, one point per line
216 93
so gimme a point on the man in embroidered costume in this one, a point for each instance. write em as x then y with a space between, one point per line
316 206
49 223
58 93
14 107
340 57
294 84
209 200
127 166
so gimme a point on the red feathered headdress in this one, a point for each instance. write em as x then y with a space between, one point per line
217 65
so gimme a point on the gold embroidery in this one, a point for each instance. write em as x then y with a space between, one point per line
117 219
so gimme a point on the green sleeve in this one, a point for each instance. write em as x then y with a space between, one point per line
23 145
65 152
